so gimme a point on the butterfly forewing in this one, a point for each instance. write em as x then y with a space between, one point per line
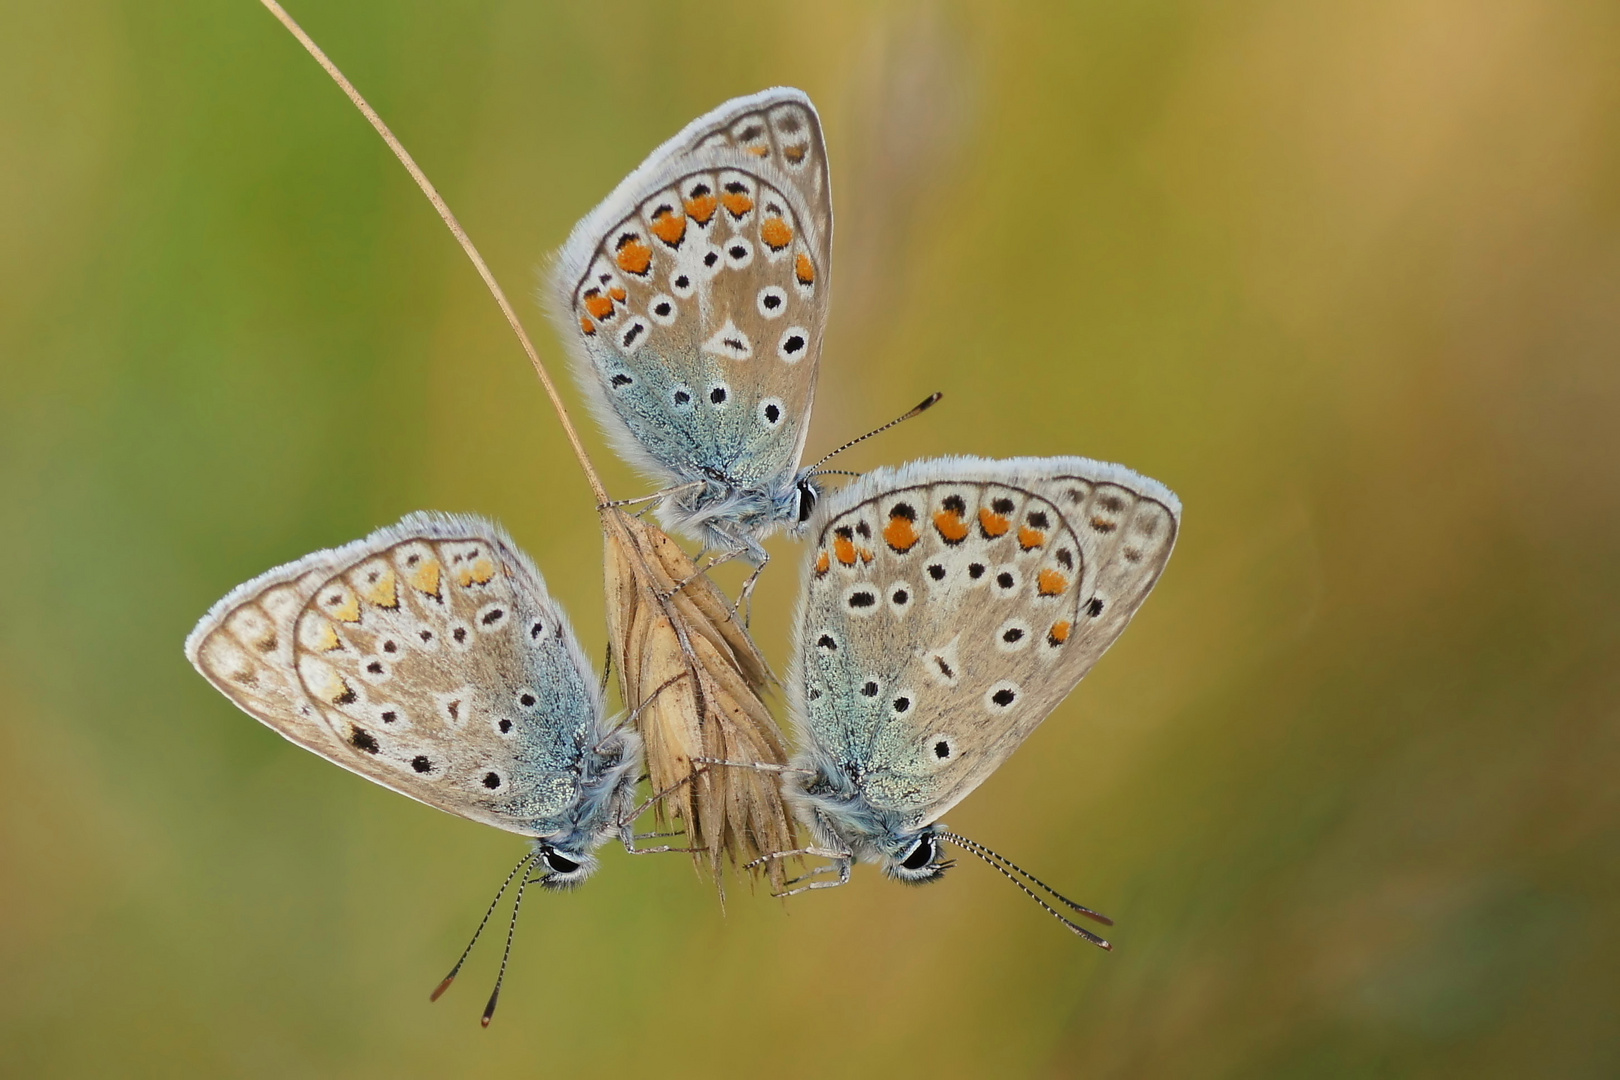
427 657
697 293
951 605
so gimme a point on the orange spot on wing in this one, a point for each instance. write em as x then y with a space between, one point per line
993 523
1051 583
587 326
1059 633
844 550
701 208
1030 538
328 639
900 533
822 563
669 227
951 526
479 572
348 610
737 203
758 151
598 305
804 269
634 256
865 554
618 293
426 577
382 592
795 154
776 233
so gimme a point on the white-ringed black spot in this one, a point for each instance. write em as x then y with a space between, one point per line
1012 635
771 301
942 749
861 599
712 257
717 396
426 636
361 739
632 334
1038 519
936 571
460 634
825 641
493 616
772 414
492 781
682 285
1066 557
945 669
901 704
421 764
681 396
505 725
388 716
900 597
375 667
976 571
1004 697
390 646
1095 608
870 689
1002 506
663 307
793 343
1004 579
536 629
620 380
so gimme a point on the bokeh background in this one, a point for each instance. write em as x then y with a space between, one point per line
1346 275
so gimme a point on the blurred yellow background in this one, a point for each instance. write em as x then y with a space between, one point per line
1345 275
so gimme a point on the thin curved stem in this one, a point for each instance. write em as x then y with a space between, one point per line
460 234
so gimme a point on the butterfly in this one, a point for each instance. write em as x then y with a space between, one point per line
429 658
693 301
948 606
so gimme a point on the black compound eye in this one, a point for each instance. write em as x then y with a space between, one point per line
921 855
807 501
557 864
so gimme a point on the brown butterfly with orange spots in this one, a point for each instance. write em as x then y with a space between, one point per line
693 300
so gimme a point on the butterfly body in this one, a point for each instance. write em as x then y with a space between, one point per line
948 607
429 658
693 300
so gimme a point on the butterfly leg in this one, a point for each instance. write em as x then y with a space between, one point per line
655 496
841 863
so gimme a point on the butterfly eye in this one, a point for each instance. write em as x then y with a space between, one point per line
557 864
920 855
807 501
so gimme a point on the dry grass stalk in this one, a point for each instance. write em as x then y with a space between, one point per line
690 643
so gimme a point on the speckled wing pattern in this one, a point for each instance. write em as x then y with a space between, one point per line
427 657
695 296
950 605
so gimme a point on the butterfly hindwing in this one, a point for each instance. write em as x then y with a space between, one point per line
427 657
950 605
694 298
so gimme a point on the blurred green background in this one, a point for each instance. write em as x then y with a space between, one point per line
1346 275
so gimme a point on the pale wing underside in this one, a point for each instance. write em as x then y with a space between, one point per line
949 606
427 657
695 296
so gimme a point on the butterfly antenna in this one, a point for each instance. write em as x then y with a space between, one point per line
511 932
1011 871
522 865
923 406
